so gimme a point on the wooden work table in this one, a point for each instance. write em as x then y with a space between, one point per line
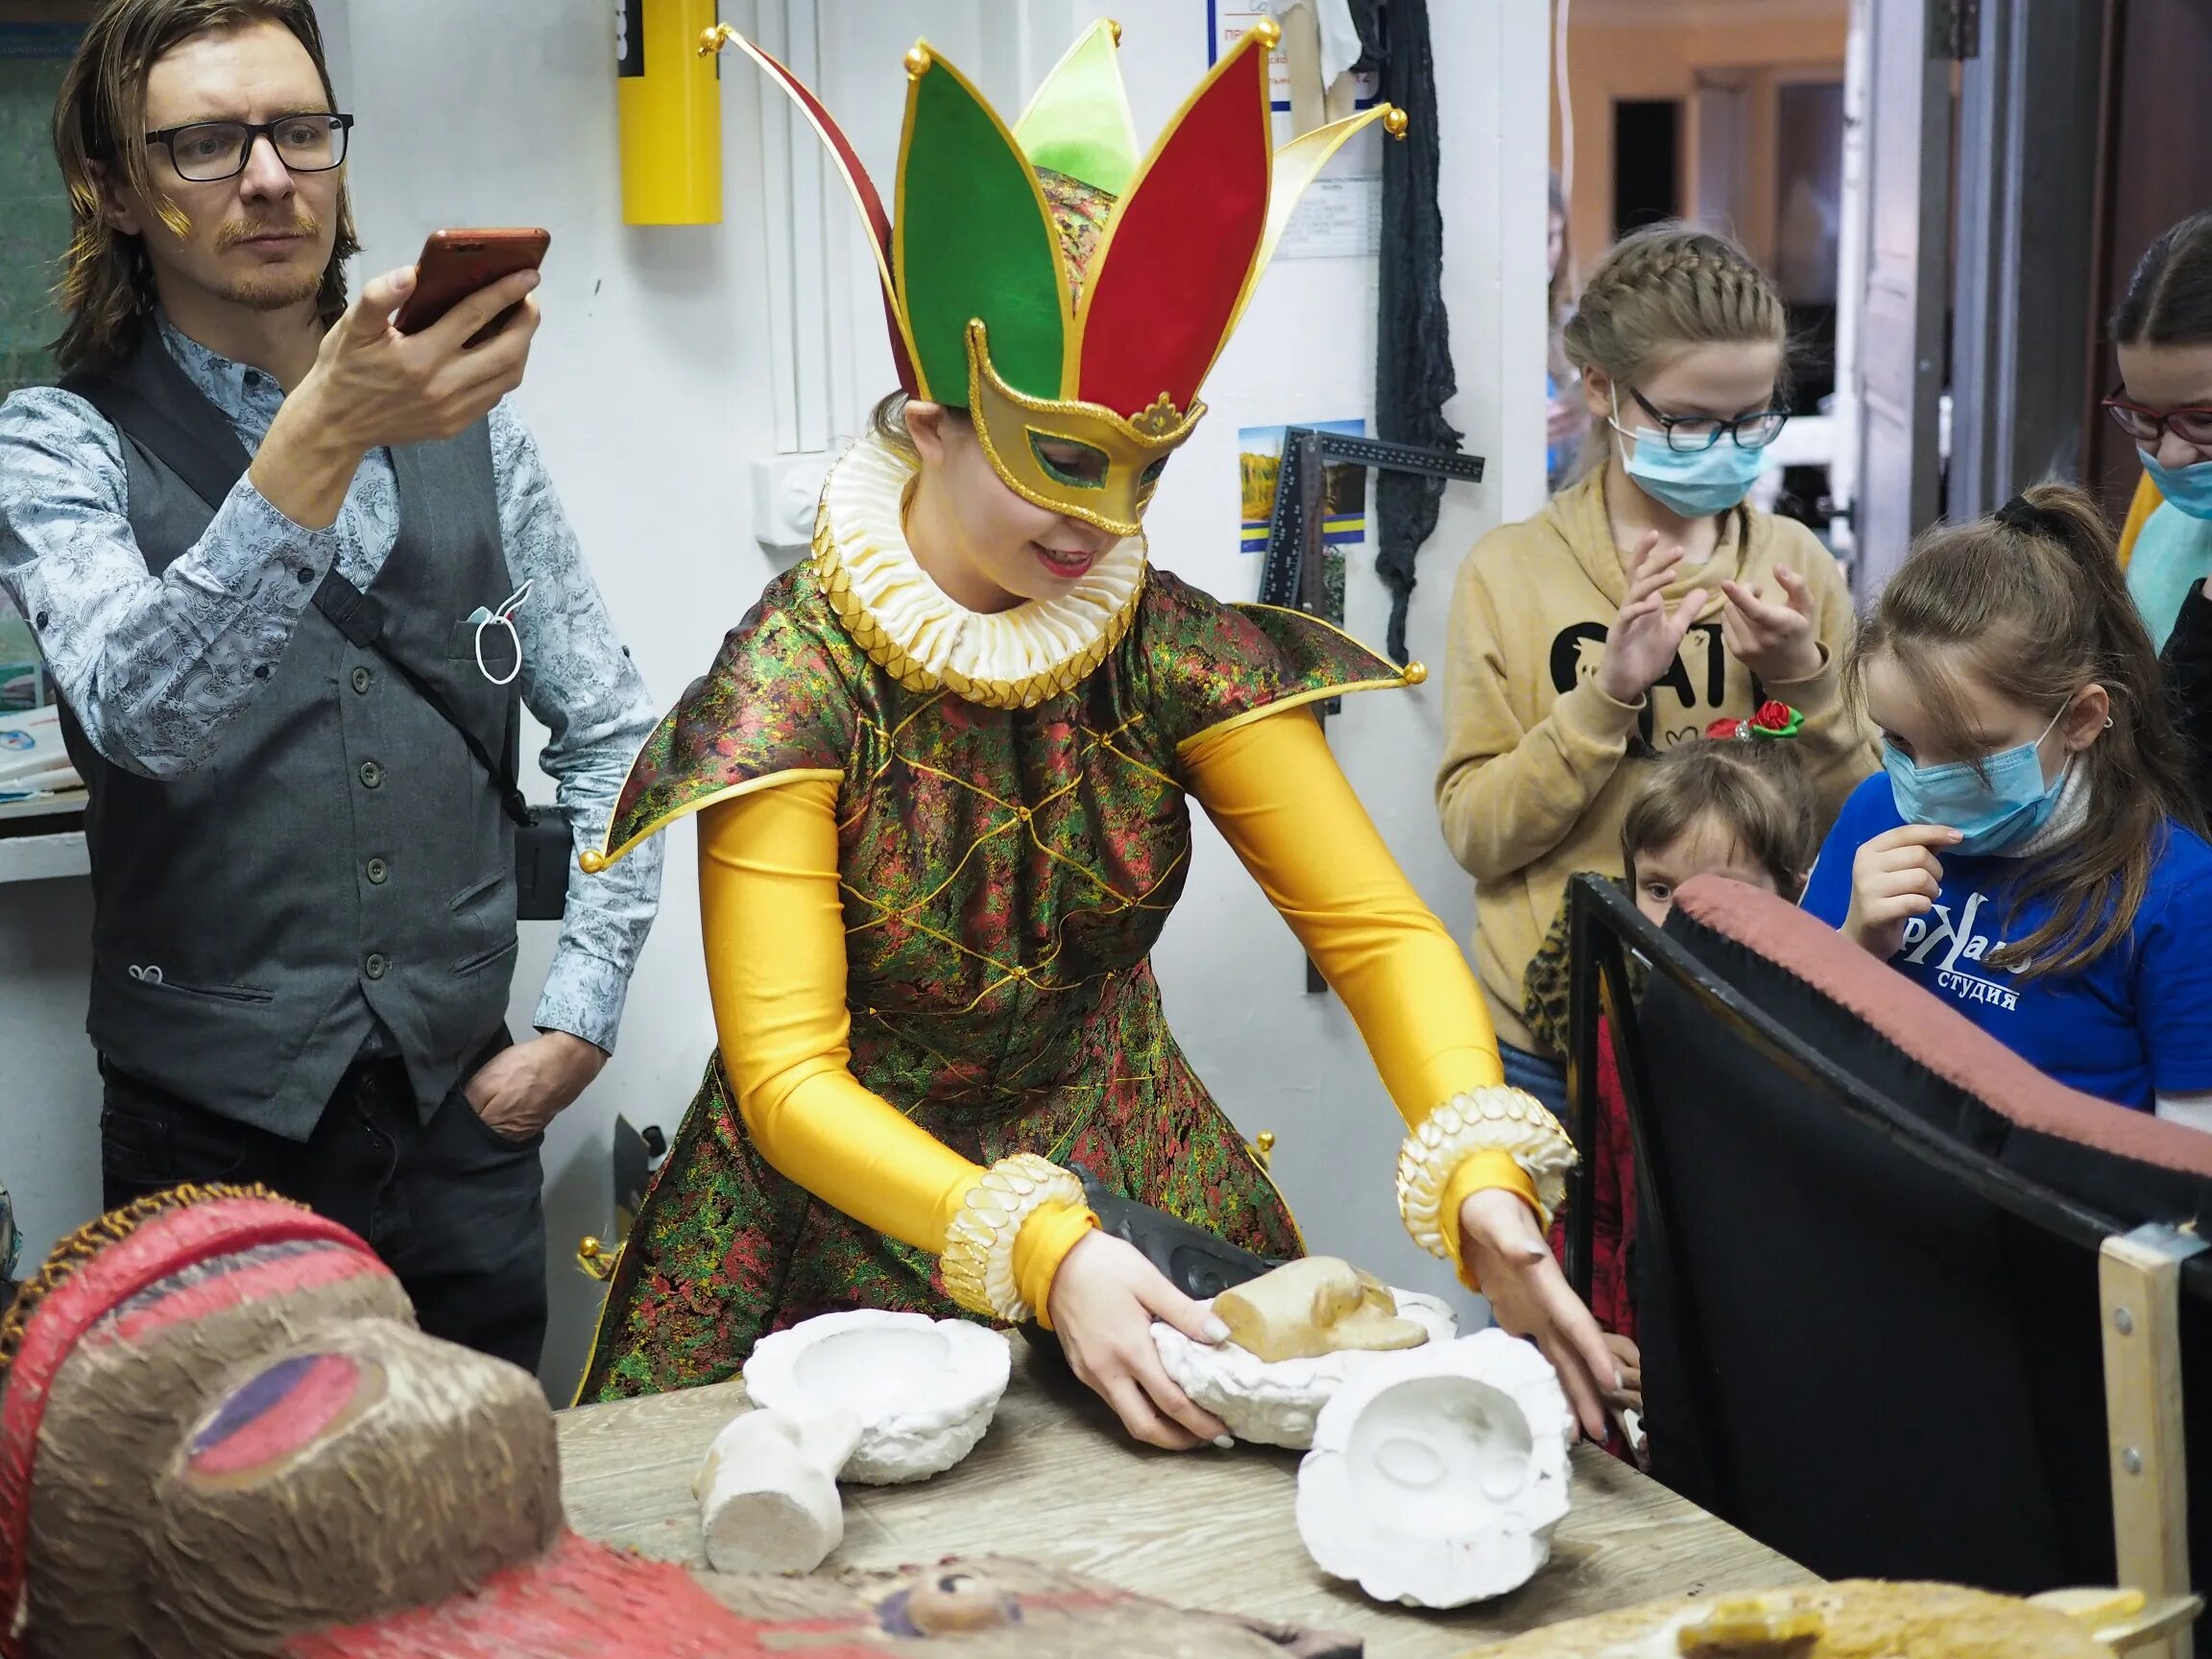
1055 1482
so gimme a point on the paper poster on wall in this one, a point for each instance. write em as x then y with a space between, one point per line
1228 21
1343 502
1336 219
1340 215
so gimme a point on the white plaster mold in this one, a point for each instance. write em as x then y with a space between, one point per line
1275 1402
923 1389
1437 1476
768 1491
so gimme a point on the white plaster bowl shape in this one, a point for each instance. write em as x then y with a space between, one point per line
924 1390
1436 1479
1275 1402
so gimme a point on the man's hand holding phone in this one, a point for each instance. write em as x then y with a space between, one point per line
375 386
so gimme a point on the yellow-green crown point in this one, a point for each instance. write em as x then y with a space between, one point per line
1079 122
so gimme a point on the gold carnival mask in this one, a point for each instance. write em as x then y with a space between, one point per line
1071 457
1076 292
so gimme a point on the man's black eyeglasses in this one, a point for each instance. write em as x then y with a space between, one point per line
207 151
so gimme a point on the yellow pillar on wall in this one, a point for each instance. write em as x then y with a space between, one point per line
669 104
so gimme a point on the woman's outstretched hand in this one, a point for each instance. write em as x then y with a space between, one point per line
1103 1301
1502 1247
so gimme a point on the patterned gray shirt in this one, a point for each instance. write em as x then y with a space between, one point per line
156 669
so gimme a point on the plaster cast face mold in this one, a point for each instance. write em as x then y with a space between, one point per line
922 1389
1274 1402
1438 1475
768 1491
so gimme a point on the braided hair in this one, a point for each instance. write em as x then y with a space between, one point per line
1666 287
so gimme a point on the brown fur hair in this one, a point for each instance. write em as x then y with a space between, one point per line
1756 790
2036 616
106 286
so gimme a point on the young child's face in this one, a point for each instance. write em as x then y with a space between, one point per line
1705 847
1994 722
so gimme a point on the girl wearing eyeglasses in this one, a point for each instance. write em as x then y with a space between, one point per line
1647 600
2163 330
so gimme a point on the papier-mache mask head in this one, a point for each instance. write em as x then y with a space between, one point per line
1069 293
222 1436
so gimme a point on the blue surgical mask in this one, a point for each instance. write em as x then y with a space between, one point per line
1693 485
2188 488
1994 807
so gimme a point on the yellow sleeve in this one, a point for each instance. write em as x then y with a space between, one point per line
2145 501
774 923
1279 800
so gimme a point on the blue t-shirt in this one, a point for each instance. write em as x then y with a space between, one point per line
2131 1025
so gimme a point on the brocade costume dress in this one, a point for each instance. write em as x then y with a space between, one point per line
1001 876
937 845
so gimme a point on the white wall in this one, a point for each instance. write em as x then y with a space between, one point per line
49 1091
650 391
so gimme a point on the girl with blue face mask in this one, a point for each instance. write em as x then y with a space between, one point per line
2032 852
2162 330
1648 599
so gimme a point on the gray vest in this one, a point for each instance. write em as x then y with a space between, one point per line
340 858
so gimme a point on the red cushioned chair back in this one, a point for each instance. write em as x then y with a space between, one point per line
1881 1363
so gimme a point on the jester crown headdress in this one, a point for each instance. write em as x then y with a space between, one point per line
1070 296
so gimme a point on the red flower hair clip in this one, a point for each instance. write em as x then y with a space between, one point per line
1772 721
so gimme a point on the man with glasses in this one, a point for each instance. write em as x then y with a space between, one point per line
258 534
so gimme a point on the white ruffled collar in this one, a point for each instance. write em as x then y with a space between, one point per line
1012 659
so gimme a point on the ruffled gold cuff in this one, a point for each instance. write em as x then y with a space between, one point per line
978 1260
1491 1120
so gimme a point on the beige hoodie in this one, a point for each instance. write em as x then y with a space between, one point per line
1540 766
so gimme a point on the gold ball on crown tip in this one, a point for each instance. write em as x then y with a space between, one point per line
918 61
1268 31
1115 27
1395 123
1414 673
711 40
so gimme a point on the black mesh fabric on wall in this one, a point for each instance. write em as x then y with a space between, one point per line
1413 375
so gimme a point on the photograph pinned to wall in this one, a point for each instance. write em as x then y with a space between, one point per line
1343 501
38 38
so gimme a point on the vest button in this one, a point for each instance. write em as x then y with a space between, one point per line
376 965
361 678
372 773
377 871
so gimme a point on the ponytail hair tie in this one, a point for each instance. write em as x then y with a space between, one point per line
2023 515
1774 722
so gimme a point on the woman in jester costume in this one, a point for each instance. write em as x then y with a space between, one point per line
943 770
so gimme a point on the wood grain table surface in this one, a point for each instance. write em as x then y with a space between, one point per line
1055 1482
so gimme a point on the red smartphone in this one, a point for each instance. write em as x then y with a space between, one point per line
456 263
